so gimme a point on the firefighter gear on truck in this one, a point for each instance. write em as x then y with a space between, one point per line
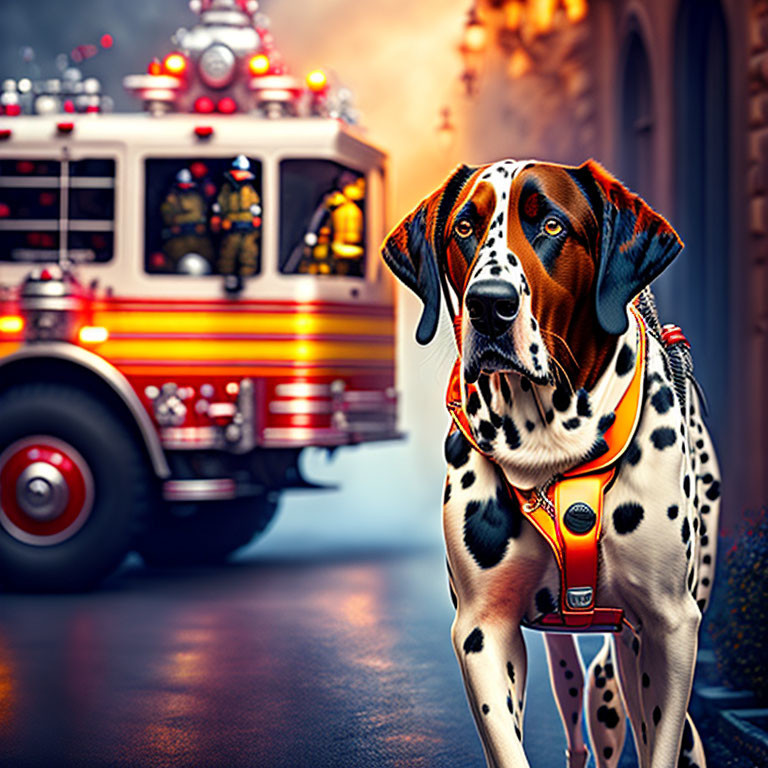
185 231
334 240
238 217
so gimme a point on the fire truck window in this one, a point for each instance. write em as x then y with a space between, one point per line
29 210
91 210
322 221
203 216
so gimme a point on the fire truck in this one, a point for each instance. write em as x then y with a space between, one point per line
189 298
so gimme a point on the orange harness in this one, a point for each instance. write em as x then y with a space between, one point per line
569 513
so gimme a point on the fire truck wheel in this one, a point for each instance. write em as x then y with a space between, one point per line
73 489
207 536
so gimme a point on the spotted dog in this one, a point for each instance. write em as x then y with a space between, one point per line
544 263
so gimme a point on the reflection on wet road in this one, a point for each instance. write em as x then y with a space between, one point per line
318 661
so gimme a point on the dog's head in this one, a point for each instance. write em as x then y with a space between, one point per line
544 260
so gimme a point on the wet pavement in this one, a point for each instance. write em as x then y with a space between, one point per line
325 659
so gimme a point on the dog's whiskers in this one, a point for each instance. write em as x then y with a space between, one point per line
563 342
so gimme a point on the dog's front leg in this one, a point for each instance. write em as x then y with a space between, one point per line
493 664
663 662
496 560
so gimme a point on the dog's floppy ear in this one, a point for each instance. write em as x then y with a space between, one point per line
636 244
412 249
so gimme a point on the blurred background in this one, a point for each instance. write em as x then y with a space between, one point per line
671 96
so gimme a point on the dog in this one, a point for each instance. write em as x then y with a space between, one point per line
549 267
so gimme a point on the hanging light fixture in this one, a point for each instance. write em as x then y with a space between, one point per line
525 35
472 48
446 130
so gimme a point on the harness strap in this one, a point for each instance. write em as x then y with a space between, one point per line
570 517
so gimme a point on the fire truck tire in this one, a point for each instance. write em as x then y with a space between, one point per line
74 489
209 535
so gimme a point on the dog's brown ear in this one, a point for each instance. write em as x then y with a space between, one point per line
636 245
413 250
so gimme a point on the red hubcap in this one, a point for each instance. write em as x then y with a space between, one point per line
46 490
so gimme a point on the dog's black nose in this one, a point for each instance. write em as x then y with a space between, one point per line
492 306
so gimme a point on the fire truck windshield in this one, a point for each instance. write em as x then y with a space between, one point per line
322 220
203 216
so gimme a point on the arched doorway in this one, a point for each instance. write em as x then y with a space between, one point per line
636 154
699 279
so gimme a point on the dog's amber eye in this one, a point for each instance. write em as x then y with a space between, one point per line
463 228
553 227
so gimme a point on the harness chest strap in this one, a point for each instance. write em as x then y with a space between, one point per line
570 518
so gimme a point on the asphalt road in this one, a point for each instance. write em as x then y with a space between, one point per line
330 658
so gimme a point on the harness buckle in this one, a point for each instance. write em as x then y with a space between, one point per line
579 597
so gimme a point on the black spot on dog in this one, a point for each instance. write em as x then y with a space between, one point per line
488 526
673 511
607 752
563 663
645 732
549 415
447 493
511 672
568 674
702 605
529 425
646 680
575 718
486 709
545 603
518 733
606 422
495 418
662 401
600 682
704 458
510 706
608 716
473 403
583 407
457 449
608 695
687 486
699 444
467 479
705 582
663 437
534 326
487 430
609 670
625 360
635 646
474 641
490 242
511 259
511 433
695 524
525 385
484 382
707 559
534 348
713 492
599 447
561 399
573 692
626 517
685 531
504 387
707 479
572 423
633 453
495 271
704 541
656 715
